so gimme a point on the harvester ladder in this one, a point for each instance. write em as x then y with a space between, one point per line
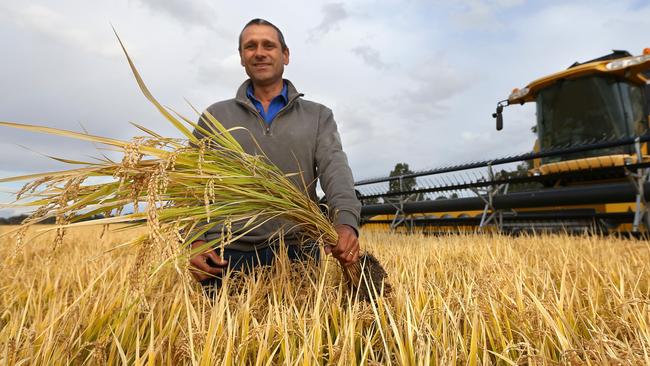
400 216
490 214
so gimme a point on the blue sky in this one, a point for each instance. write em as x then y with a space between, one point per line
408 81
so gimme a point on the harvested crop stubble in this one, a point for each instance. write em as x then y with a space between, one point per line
465 299
189 186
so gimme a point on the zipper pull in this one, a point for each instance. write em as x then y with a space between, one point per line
268 129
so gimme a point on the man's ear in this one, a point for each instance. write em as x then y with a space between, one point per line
241 60
285 52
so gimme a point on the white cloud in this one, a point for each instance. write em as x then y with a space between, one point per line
370 56
435 80
189 14
54 25
333 14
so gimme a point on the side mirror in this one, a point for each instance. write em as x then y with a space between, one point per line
499 116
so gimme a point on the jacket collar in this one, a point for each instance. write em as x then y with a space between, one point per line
292 93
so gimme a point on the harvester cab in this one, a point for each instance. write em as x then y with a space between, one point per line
604 99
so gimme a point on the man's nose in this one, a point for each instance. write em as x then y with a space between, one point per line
259 52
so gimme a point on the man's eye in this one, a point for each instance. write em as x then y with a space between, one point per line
249 47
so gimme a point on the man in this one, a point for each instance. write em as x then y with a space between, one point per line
296 135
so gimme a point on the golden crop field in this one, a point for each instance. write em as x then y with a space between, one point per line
458 299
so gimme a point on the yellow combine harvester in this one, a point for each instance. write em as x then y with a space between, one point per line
588 171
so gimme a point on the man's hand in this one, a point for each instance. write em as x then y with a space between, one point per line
347 247
206 265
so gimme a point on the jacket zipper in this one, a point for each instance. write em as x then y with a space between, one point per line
267 126
282 111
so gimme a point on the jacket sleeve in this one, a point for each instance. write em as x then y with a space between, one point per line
334 172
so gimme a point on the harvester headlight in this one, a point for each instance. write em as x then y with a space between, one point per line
518 93
627 62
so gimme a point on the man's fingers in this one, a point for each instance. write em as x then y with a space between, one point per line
344 246
338 250
202 268
206 265
355 257
197 273
218 261
352 254
346 249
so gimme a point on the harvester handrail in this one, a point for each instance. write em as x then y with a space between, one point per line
510 180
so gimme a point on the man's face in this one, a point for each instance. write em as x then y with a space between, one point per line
262 55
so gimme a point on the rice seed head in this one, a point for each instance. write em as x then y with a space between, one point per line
132 154
208 196
171 159
226 236
19 236
99 351
30 187
162 176
70 192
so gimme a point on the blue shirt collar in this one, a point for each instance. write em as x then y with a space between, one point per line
284 93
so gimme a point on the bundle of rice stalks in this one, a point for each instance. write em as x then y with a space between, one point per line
189 186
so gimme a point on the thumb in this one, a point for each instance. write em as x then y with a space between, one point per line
328 249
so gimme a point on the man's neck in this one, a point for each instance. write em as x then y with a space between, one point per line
266 93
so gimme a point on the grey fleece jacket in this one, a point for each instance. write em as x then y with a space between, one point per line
301 138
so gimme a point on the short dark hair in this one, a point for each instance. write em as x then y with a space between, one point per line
258 21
